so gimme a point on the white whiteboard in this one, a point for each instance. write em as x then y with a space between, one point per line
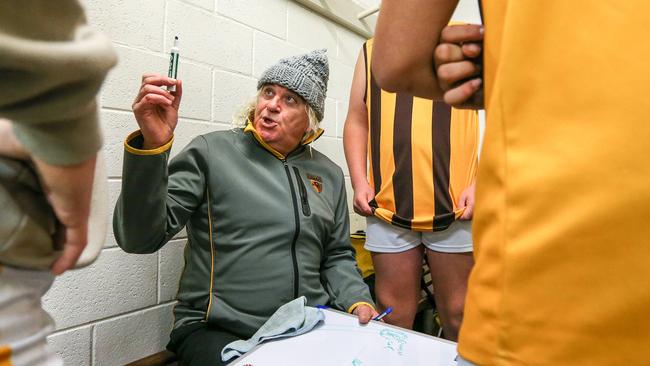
342 341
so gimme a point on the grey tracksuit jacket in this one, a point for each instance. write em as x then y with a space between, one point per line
263 229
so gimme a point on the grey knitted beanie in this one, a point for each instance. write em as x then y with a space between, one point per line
306 75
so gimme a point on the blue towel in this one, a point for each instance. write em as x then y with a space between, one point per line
291 319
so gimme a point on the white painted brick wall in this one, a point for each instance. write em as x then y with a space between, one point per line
268 50
116 283
329 119
127 338
124 80
231 91
205 4
73 344
269 16
308 30
119 309
210 39
135 23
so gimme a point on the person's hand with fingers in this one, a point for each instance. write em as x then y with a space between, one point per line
156 109
466 200
68 189
459 65
365 313
362 196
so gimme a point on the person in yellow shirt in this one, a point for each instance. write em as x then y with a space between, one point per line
561 232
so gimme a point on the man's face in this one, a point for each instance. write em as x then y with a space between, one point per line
280 117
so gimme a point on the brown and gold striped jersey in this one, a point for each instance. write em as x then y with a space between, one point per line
422 155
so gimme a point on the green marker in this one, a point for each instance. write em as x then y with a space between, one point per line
173 64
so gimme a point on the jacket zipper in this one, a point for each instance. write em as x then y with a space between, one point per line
306 210
295 234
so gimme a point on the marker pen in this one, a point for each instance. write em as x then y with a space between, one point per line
173 64
383 313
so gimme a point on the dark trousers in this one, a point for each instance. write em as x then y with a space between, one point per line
198 344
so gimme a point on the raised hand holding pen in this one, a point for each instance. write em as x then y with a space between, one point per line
156 109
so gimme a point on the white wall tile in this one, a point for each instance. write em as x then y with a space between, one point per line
170 264
309 30
341 115
349 46
73 345
268 50
333 149
114 188
467 11
340 80
269 16
187 130
209 38
231 91
116 283
116 125
329 120
205 4
357 222
136 23
123 82
127 338
197 91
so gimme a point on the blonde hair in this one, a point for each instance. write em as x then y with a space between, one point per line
246 112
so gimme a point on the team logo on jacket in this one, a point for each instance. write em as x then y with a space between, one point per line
316 182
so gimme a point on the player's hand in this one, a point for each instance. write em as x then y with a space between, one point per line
362 196
466 200
458 60
156 109
365 313
68 189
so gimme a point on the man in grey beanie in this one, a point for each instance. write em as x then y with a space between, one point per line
266 215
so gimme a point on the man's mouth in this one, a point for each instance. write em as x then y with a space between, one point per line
268 122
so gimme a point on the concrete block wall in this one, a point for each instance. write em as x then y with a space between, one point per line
119 309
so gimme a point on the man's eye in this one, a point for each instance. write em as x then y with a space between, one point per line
291 99
268 92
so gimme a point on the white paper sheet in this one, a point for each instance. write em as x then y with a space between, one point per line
342 341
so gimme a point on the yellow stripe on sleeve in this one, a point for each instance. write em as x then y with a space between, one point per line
356 304
135 151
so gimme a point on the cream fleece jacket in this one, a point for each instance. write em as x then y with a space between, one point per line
51 66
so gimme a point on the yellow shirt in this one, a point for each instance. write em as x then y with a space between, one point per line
422 155
562 224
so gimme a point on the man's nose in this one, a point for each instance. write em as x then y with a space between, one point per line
274 104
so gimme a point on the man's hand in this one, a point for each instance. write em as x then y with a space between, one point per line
362 195
459 65
365 313
68 189
466 200
156 109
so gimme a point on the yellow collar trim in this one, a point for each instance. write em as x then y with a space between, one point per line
276 153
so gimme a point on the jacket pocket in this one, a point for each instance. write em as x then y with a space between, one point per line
304 201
